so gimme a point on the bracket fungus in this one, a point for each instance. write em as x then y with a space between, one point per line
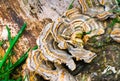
98 8
46 69
62 41
115 34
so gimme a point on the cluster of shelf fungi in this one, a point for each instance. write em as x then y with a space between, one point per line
61 43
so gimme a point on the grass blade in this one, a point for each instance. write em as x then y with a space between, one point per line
12 44
113 22
22 59
1 43
118 2
71 5
35 47
9 34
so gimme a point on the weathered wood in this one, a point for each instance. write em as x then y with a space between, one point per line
15 12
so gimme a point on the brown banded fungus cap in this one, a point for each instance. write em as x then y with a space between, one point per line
47 69
98 8
115 34
62 40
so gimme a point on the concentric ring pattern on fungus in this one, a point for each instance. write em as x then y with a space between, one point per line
62 40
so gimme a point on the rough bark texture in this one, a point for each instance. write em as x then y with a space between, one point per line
15 12
12 15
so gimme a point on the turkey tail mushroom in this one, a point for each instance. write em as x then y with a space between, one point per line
39 65
98 8
115 34
45 43
62 41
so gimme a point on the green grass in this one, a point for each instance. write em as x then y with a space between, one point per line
35 47
19 61
71 5
1 42
9 35
12 45
113 22
118 2
6 66
116 11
